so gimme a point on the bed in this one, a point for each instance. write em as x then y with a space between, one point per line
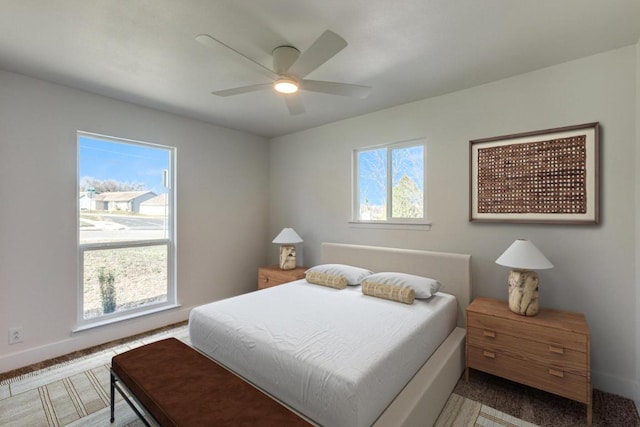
282 340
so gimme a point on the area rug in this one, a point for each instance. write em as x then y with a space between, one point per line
74 391
462 412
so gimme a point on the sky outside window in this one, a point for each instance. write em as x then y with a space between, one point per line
123 162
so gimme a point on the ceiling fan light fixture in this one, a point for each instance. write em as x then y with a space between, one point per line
286 85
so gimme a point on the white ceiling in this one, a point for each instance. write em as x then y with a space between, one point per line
143 51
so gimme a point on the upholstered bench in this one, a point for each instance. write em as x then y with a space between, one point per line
178 386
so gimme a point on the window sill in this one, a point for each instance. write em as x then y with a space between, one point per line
124 316
425 226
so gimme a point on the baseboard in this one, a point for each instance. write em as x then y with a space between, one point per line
621 386
93 337
636 396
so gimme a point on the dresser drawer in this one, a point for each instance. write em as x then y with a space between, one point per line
546 378
534 351
556 337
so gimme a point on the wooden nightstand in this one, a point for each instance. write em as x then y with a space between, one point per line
550 351
273 275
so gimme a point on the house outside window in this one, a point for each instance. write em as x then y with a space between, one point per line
389 184
126 240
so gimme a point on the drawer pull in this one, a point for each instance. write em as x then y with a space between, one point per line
489 354
556 349
489 334
556 373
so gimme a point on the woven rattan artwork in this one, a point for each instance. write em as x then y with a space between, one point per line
542 177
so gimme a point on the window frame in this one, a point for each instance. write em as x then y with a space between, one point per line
169 241
355 187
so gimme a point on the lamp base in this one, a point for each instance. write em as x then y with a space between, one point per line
287 257
523 292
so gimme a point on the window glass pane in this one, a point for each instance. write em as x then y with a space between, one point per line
125 226
372 182
117 280
123 194
407 182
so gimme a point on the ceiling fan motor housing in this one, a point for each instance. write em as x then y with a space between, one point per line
283 58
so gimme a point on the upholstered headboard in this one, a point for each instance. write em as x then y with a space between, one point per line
452 270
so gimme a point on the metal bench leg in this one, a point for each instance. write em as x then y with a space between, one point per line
113 397
119 387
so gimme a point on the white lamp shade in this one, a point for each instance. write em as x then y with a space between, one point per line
288 236
523 254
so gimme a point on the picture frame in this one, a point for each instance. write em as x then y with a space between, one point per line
548 176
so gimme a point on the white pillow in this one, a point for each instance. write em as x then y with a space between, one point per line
354 275
423 286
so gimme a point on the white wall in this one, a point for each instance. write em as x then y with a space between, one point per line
637 233
594 265
222 189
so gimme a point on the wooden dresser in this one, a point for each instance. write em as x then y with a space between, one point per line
273 275
550 351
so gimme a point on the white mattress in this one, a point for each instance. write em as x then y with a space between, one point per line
337 356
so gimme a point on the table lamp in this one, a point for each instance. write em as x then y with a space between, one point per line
287 240
523 257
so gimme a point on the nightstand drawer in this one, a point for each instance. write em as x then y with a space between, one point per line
552 379
273 276
265 281
526 350
549 336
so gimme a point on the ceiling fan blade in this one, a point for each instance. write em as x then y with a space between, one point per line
243 89
214 44
294 104
324 48
333 88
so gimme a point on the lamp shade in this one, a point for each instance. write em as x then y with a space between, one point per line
288 236
523 254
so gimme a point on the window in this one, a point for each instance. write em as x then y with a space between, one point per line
389 183
126 245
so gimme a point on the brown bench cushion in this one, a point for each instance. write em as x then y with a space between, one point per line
181 387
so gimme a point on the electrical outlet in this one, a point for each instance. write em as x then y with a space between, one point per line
15 335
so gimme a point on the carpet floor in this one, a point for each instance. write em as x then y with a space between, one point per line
74 391
546 409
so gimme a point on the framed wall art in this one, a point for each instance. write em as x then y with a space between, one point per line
546 176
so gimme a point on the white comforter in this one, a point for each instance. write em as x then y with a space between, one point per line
337 356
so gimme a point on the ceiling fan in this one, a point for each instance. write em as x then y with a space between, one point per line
289 69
